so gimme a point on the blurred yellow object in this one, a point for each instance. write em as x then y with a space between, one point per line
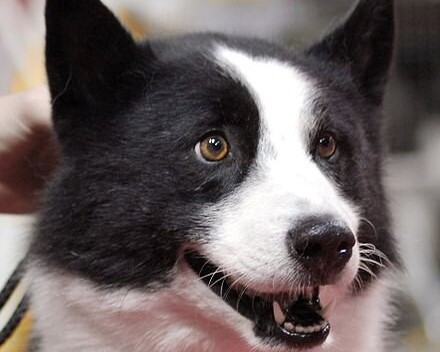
137 28
33 73
417 340
19 341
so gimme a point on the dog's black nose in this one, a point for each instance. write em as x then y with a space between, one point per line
322 246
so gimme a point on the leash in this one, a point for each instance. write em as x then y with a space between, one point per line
14 303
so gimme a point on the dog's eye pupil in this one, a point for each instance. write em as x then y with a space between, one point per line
213 148
326 146
215 144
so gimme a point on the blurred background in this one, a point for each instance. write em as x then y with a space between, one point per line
412 107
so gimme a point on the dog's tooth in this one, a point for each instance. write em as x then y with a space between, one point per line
309 329
300 328
289 326
278 313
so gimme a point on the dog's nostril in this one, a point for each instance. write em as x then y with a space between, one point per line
344 248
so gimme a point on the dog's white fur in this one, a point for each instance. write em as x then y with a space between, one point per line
248 240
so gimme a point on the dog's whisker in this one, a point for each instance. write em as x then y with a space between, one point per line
223 278
357 282
366 269
221 287
241 296
203 267
369 250
212 276
370 224
200 278
231 286
227 273
374 262
257 347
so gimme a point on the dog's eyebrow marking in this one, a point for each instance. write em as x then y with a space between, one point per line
283 95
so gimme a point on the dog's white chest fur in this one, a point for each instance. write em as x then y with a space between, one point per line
72 315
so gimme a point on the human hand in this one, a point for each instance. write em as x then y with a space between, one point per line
27 149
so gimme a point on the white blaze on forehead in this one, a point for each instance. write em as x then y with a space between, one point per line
282 94
283 166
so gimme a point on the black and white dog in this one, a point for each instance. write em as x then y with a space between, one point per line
214 193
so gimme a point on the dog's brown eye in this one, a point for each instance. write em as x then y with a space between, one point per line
213 148
326 146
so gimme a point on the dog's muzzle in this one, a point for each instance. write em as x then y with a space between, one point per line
320 249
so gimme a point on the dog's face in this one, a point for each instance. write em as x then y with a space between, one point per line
241 176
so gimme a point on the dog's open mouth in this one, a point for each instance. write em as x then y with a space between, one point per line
296 319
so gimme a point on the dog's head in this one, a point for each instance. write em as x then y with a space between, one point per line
244 173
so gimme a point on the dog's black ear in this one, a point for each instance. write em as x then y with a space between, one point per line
90 57
364 44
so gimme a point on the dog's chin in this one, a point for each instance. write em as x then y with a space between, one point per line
294 318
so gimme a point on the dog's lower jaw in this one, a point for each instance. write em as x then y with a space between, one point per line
72 315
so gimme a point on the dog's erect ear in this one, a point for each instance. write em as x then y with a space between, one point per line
364 44
90 58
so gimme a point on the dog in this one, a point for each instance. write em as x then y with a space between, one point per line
214 193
